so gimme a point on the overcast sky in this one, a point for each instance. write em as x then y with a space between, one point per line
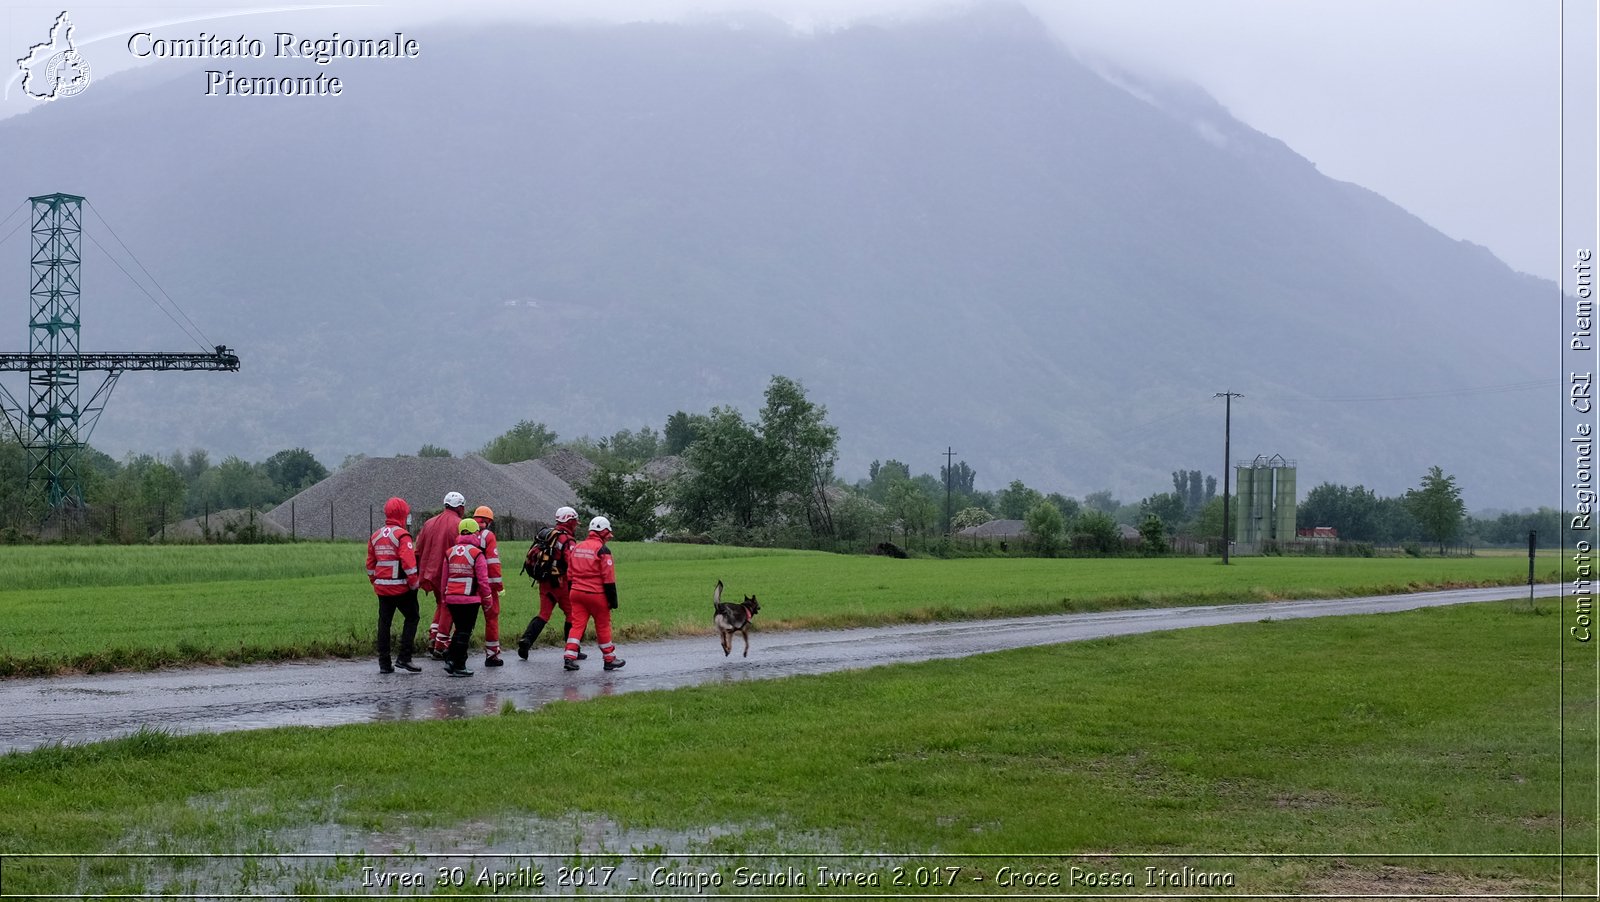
1450 108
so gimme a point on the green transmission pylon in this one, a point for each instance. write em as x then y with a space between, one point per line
54 417
54 428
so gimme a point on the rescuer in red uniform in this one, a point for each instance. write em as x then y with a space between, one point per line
594 594
553 592
433 546
491 612
466 589
392 567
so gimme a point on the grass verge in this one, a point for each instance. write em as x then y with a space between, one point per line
1427 731
150 607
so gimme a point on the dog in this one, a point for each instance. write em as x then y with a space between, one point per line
733 618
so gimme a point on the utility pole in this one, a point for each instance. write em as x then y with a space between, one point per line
1227 455
949 474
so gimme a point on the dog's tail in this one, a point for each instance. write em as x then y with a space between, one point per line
716 596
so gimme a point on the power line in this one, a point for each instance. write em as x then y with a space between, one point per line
1529 385
206 344
18 225
118 264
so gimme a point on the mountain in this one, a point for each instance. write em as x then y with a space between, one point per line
952 230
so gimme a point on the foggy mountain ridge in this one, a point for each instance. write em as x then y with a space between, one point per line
952 230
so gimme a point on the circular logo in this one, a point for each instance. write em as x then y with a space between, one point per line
67 73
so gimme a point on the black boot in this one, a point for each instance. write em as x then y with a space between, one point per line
530 636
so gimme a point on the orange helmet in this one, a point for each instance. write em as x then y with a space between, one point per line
484 512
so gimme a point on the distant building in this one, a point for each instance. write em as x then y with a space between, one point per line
1319 534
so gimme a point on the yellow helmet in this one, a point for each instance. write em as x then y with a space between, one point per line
468 526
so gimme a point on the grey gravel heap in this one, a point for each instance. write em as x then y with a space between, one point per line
349 503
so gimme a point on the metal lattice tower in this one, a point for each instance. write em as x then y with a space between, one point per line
55 427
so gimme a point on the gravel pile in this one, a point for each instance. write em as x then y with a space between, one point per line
569 466
349 504
662 469
221 521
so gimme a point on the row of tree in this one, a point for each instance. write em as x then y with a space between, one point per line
772 479
180 484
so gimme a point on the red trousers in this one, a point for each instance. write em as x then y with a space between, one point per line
491 629
551 598
585 605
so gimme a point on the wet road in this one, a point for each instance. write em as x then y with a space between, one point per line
78 709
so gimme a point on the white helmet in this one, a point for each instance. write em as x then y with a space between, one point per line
565 514
599 524
454 499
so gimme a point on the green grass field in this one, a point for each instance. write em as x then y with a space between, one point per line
94 608
1427 731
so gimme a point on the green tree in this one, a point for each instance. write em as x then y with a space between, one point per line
1351 511
883 476
801 448
1207 524
1102 501
236 483
911 508
1153 535
632 447
1069 507
292 470
727 478
1393 522
970 516
1045 525
681 431
432 450
961 478
1014 502
626 496
1437 506
1095 530
857 518
1168 507
525 441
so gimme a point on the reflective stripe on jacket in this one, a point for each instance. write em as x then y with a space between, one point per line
391 561
467 575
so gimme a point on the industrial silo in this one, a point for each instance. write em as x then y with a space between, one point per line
1283 505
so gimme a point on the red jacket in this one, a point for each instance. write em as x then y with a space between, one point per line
438 536
491 556
590 566
467 574
391 559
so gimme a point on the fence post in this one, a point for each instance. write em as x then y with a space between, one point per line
294 536
163 522
330 520
370 528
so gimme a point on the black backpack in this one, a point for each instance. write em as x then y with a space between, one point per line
544 562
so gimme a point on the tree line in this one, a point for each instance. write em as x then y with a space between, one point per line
771 480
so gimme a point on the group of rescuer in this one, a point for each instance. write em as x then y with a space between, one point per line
456 558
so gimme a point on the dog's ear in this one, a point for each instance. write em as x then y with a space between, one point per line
716 597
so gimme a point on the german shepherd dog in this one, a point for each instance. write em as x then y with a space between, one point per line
733 618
